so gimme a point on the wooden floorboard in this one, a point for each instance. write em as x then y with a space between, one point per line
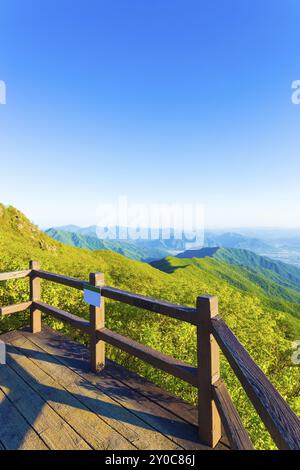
15 431
143 387
88 425
113 416
123 404
164 422
55 432
114 409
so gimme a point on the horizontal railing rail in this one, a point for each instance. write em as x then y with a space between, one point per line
157 359
214 403
178 312
147 303
14 275
15 308
73 320
58 279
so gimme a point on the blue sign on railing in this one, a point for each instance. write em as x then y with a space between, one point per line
92 295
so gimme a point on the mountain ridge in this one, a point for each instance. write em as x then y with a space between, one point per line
246 258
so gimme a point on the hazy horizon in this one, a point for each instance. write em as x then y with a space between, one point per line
242 230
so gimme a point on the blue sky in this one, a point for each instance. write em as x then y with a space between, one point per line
164 101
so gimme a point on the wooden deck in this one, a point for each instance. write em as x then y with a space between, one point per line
50 400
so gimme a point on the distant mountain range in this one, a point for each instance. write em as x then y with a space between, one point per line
287 250
135 251
91 230
140 249
236 240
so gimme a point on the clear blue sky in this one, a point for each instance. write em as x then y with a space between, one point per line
161 100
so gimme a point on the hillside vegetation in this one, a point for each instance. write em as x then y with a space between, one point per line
135 251
264 321
277 283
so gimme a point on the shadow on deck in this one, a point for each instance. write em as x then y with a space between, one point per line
50 400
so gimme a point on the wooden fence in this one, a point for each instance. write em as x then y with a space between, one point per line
215 407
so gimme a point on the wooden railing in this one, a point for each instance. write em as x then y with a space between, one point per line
215 407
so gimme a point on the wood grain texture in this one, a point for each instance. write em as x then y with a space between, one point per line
15 433
112 404
97 321
64 280
281 422
63 397
181 409
14 275
73 320
16 308
185 314
235 431
35 295
208 372
148 410
56 433
141 390
157 359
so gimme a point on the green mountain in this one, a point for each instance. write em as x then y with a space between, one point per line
136 251
281 245
260 278
246 258
143 249
284 274
264 321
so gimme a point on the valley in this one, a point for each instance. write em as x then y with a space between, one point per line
275 244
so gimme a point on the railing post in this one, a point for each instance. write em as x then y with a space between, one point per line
97 321
208 372
35 295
